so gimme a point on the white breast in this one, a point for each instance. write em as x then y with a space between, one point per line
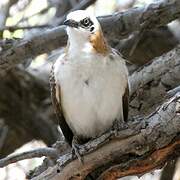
91 92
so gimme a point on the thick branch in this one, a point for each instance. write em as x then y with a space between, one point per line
139 167
123 24
146 49
156 141
150 17
149 85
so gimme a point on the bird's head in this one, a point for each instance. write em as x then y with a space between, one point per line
81 23
83 27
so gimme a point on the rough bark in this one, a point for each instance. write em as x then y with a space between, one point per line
146 144
123 25
149 85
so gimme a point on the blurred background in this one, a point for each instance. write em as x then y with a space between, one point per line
19 131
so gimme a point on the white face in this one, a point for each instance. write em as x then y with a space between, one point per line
81 23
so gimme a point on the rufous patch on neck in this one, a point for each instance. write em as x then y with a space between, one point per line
98 42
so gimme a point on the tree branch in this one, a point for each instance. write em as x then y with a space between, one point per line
123 24
173 91
48 152
146 49
155 142
149 84
149 17
155 160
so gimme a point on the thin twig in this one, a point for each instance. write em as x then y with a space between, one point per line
173 91
48 152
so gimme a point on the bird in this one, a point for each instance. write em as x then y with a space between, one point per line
89 82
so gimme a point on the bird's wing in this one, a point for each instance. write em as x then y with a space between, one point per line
56 101
125 100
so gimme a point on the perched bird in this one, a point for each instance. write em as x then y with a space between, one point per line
89 82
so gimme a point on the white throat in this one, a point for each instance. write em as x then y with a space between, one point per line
78 42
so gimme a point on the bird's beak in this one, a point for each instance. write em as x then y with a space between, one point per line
71 23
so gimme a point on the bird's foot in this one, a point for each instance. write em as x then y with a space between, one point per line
76 149
118 126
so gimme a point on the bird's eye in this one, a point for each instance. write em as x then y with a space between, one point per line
86 22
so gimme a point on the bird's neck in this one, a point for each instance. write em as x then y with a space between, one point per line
99 43
78 46
82 44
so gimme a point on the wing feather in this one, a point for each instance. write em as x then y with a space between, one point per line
125 100
125 97
56 102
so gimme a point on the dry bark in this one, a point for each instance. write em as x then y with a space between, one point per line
149 85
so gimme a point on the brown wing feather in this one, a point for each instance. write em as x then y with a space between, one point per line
125 98
126 103
56 101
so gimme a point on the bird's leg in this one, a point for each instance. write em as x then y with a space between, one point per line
117 126
75 148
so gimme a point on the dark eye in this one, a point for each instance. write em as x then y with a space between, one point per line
86 22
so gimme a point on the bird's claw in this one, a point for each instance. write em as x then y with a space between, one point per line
76 149
118 126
